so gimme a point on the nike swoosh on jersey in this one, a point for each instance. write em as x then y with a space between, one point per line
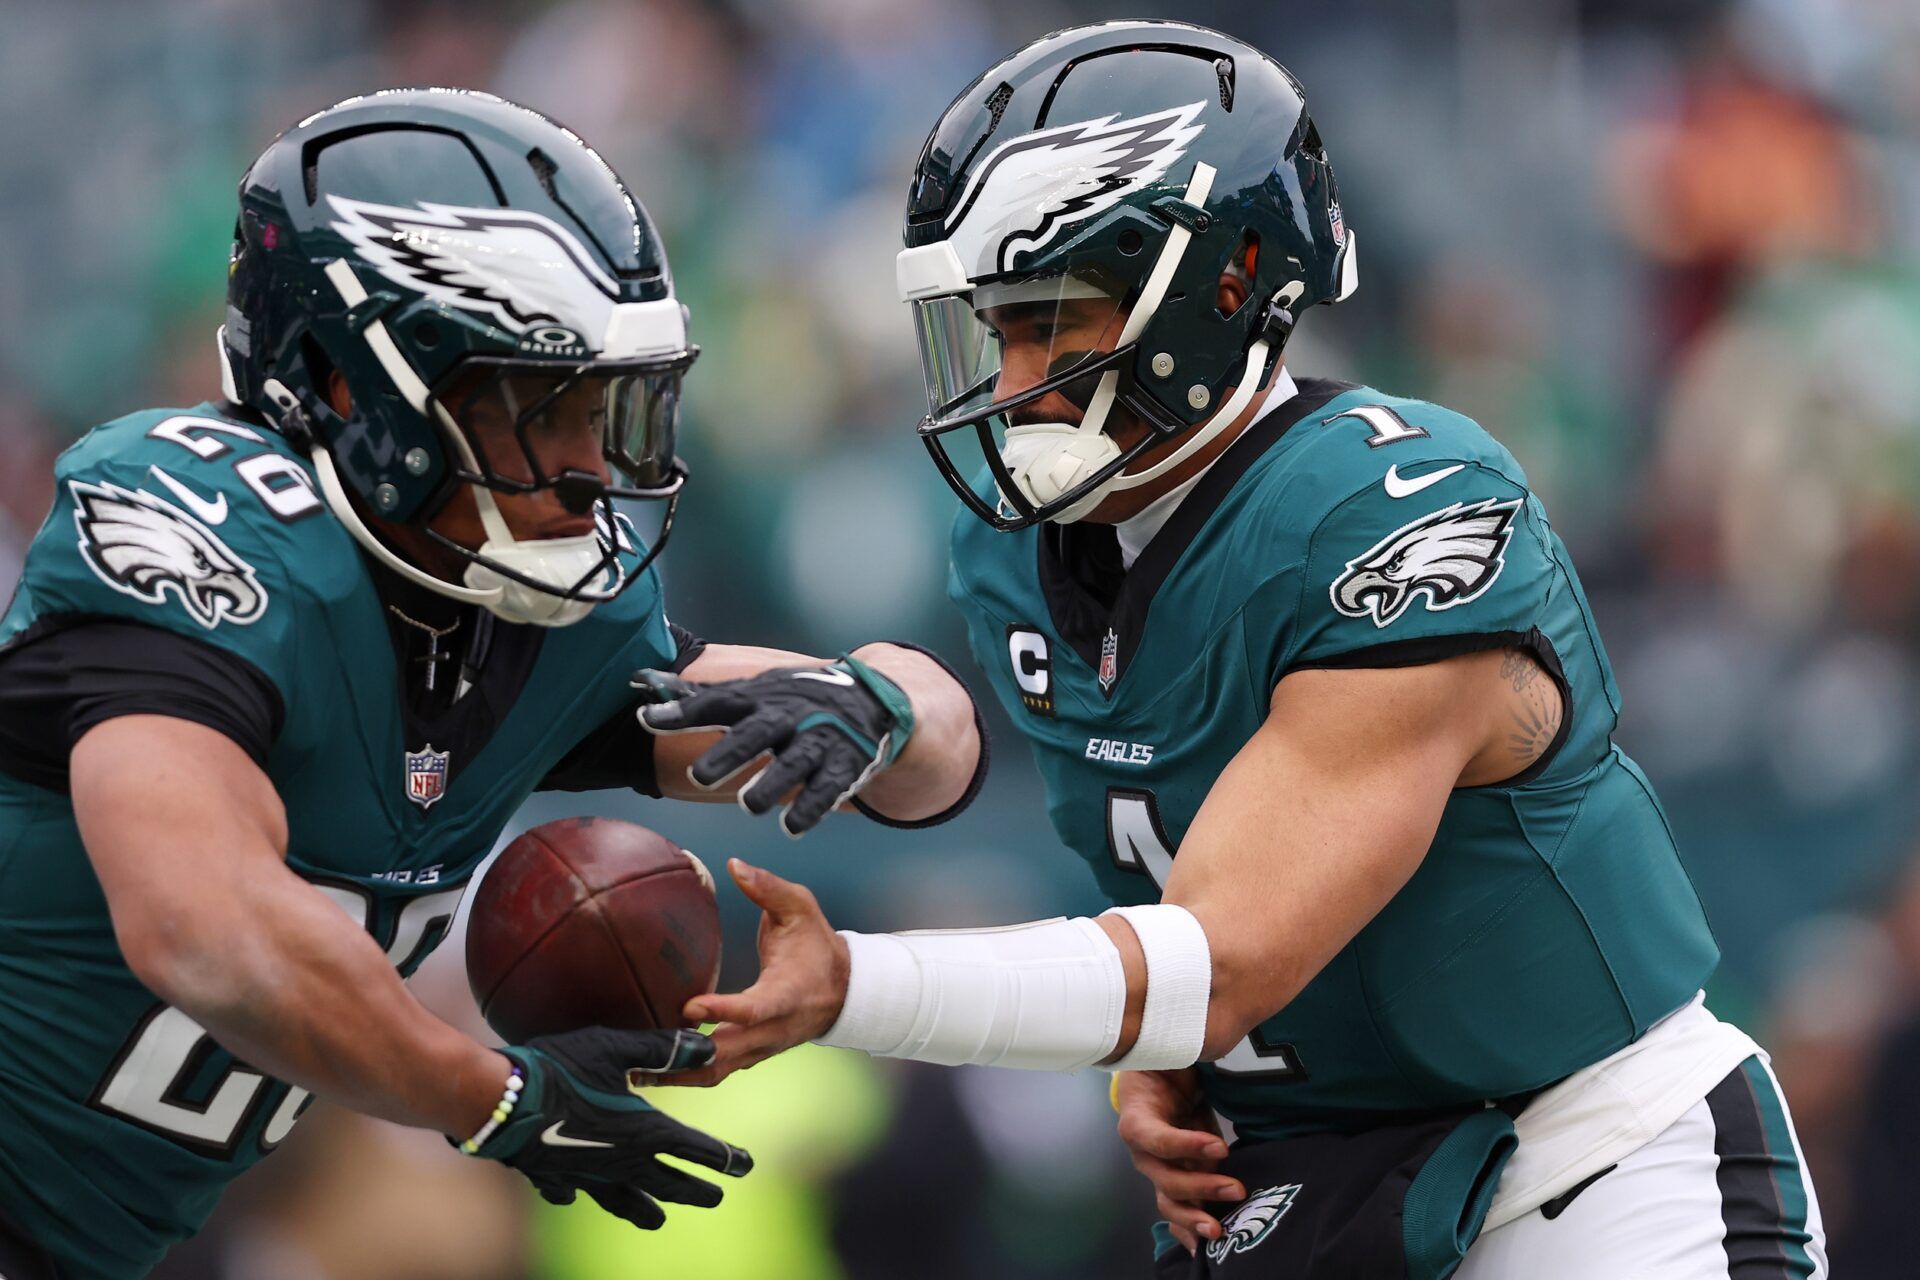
830 677
214 512
1398 488
552 1136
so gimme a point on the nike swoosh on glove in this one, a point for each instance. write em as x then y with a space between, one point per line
580 1127
829 729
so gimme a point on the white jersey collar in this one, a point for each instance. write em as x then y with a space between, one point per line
1137 531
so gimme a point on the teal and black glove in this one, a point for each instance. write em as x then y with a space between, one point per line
829 729
578 1126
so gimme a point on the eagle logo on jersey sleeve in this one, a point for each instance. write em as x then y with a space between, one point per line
1449 557
147 548
1250 1221
517 267
1032 186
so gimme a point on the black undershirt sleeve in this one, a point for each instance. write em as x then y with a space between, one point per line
619 754
58 681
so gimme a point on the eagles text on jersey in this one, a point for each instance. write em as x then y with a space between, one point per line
1551 921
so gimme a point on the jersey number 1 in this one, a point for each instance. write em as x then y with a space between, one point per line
1138 843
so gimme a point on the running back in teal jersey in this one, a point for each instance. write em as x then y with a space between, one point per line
120 1122
1551 921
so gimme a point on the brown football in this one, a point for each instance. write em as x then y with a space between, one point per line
591 922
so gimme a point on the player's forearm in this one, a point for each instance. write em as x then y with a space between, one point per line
1312 828
940 759
188 839
931 774
311 1001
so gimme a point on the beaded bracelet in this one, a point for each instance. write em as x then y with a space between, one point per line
508 1100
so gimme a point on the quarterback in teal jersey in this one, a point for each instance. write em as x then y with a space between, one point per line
1317 695
282 666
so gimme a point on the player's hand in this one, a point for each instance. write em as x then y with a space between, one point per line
1173 1139
828 728
802 982
579 1126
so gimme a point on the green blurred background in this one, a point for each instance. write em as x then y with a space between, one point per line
1667 250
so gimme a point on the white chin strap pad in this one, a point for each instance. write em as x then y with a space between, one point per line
1049 458
560 562
1049 996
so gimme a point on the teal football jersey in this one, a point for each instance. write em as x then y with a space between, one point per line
120 1121
1551 921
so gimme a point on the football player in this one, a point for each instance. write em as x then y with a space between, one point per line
1317 695
282 666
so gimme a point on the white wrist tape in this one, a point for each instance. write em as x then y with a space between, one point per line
1173 1026
1047 995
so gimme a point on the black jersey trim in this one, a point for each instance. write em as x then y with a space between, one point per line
1088 592
1421 650
979 778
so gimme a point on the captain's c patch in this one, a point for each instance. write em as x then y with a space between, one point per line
1032 668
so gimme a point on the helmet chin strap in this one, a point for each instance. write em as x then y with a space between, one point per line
1250 380
558 562
336 496
1048 459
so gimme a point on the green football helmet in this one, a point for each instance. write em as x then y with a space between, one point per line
490 291
1102 180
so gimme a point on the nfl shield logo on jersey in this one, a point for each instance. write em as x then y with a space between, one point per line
426 776
1109 659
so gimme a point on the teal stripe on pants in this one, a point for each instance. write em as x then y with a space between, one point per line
1789 1178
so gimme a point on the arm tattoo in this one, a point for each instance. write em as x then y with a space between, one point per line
1518 668
1536 711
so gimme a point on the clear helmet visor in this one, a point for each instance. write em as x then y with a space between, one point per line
531 425
997 343
1042 354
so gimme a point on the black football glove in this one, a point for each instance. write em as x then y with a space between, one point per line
829 728
579 1127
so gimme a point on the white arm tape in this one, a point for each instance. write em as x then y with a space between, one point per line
1173 1026
1047 995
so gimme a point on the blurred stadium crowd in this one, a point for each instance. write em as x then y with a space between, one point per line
1667 250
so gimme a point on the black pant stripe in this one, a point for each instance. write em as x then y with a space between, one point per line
1749 1199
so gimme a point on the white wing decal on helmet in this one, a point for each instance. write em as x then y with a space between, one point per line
522 269
146 547
1450 555
1030 187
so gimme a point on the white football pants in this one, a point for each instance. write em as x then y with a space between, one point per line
1721 1194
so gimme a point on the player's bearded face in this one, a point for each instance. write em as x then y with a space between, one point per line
1039 340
